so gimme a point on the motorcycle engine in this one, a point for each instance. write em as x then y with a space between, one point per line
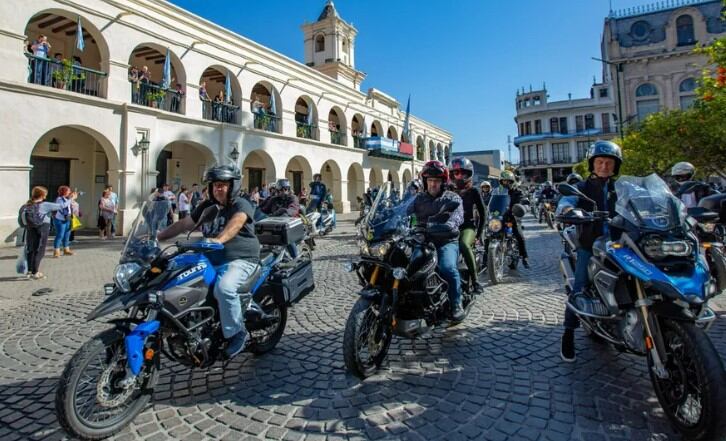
631 328
194 350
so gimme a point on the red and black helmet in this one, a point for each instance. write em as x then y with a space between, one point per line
434 169
464 166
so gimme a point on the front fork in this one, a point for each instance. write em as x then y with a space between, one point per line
134 343
653 340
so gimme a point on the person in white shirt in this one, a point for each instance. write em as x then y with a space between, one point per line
184 203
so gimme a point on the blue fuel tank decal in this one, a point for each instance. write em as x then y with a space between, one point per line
198 267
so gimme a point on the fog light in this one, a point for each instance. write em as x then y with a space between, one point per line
349 267
399 273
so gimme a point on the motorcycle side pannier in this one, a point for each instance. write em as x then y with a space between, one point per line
280 230
294 283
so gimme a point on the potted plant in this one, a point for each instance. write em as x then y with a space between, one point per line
153 98
64 73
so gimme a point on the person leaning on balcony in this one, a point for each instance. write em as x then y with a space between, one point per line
217 105
134 78
145 75
41 49
176 97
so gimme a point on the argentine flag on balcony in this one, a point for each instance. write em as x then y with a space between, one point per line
309 116
227 89
364 132
166 74
80 44
273 105
405 121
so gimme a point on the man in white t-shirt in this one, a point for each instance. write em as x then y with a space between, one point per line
114 201
184 203
169 196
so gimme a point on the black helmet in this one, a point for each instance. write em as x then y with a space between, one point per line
464 165
573 178
434 169
604 149
283 184
683 171
317 175
224 173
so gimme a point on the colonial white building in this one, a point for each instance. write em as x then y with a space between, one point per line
553 136
92 123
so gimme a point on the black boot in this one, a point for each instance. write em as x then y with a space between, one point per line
567 349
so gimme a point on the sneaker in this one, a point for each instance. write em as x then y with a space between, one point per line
38 276
457 312
56 253
67 252
236 344
525 263
567 348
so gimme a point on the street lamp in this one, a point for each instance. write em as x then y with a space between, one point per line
53 145
234 154
618 69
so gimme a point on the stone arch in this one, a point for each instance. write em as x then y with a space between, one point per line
60 28
439 152
85 160
432 151
215 78
306 118
152 56
376 129
183 162
394 179
299 172
392 133
356 183
375 177
258 169
358 130
337 126
266 105
406 178
420 148
330 176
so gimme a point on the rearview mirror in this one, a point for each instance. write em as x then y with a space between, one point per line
566 189
209 214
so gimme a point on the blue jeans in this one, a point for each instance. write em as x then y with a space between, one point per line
448 257
62 233
583 257
229 278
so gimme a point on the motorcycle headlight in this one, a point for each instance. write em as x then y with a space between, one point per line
363 245
658 248
380 250
123 275
495 225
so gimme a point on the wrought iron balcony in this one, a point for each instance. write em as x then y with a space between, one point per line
64 75
338 138
267 122
306 131
223 112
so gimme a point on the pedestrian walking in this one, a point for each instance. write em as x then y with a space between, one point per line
105 215
62 222
76 215
36 217
185 204
114 200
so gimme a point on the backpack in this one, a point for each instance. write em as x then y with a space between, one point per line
29 216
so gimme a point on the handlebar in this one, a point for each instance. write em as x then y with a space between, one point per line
587 217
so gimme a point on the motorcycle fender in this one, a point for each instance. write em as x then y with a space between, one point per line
134 343
370 294
117 302
672 311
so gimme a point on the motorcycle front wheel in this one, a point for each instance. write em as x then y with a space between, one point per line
90 402
694 394
495 262
366 339
550 218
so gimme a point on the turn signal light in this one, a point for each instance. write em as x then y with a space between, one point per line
649 343
149 354
155 270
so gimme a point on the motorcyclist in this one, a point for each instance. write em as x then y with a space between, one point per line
604 159
486 192
283 203
412 189
429 204
507 187
547 193
233 227
689 194
331 207
318 190
573 178
462 170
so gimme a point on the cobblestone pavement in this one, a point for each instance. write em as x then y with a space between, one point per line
497 376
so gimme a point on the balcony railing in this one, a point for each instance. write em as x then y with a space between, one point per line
591 133
64 75
223 112
359 142
307 131
151 95
338 138
267 122
536 162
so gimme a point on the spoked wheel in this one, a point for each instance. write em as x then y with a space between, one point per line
495 262
366 339
693 394
513 254
265 338
550 218
91 402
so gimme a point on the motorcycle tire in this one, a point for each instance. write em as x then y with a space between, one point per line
495 262
274 305
361 318
550 218
693 365
71 417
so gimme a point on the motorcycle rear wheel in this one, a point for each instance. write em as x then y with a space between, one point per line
495 262
693 396
271 335
80 394
366 339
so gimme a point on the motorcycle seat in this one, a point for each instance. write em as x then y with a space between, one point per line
599 246
247 285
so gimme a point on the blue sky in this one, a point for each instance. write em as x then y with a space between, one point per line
461 60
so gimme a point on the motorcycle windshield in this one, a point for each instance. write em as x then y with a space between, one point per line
647 203
141 240
387 214
498 205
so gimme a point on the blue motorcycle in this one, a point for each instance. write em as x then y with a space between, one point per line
648 293
168 306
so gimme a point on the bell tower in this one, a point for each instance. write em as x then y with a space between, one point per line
330 47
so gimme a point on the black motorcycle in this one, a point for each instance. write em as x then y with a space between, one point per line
502 248
547 212
169 308
402 294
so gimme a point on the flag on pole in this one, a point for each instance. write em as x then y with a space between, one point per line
80 44
166 74
309 117
406 120
227 89
273 105
364 133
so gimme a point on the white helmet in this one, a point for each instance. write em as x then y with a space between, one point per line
686 170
